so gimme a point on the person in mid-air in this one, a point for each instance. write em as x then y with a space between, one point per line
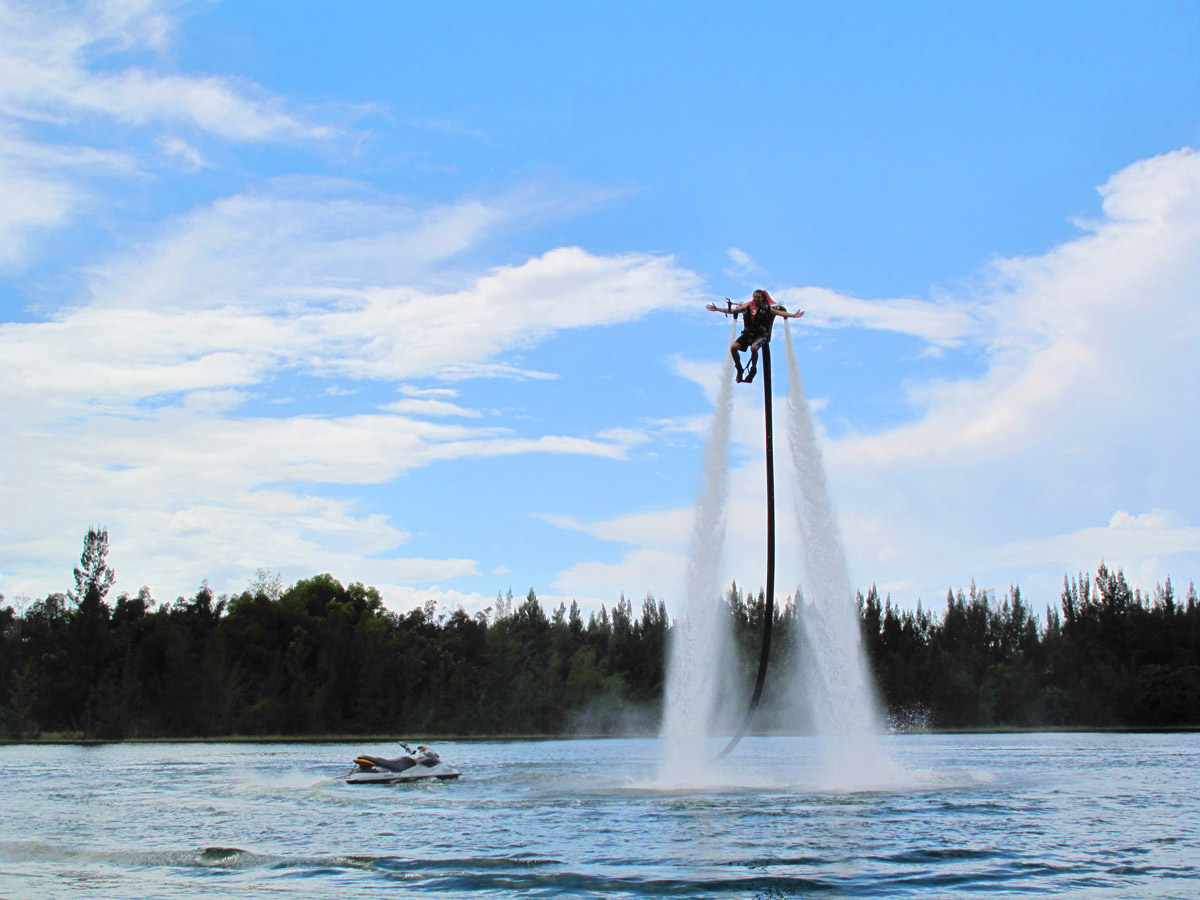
758 316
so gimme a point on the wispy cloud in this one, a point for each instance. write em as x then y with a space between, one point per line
1148 536
183 153
254 283
44 186
138 388
419 407
67 74
943 323
50 55
744 267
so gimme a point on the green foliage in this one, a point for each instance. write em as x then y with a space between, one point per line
319 657
1113 657
316 657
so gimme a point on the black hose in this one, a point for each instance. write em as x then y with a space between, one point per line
769 611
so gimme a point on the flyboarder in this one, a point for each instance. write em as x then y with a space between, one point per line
758 315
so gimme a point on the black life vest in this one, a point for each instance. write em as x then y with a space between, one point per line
757 318
761 319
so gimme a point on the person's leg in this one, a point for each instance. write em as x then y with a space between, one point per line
737 360
753 364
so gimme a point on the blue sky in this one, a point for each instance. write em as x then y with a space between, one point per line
413 293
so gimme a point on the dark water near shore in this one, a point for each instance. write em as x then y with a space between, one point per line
1086 815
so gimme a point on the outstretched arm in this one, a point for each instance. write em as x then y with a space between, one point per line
785 314
712 307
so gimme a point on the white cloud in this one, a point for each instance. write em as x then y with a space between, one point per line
1126 537
705 374
411 390
593 583
511 308
298 245
139 389
942 324
182 152
418 407
256 283
663 530
744 267
65 76
402 598
1093 333
43 186
48 71
1088 401
183 495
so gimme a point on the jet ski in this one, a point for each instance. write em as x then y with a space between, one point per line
414 765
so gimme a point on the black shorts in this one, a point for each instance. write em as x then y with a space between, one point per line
752 337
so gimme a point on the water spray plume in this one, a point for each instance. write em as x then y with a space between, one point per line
700 639
832 673
769 607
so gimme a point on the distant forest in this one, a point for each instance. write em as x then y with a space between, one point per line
320 658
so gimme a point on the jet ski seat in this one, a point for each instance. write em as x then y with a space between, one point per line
399 764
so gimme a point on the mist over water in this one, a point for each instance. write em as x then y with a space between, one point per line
700 640
832 671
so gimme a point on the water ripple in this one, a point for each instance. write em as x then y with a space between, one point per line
1006 815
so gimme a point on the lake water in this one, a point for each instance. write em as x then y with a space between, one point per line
1086 815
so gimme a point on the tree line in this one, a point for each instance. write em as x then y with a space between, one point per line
320 657
1107 655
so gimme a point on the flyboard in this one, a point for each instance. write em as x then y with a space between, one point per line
769 612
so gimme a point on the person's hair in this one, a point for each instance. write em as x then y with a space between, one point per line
765 295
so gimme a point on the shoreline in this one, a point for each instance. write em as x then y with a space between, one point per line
79 739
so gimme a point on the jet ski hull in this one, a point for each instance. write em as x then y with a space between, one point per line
401 770
384 777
